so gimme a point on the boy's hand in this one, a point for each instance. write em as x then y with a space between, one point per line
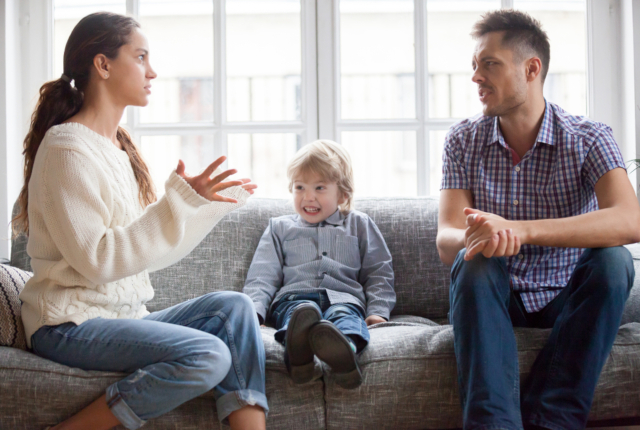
374 319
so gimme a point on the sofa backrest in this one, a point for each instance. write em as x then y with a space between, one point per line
221 261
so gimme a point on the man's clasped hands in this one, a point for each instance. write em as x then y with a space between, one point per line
491 235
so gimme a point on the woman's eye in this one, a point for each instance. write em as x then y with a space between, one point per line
141 57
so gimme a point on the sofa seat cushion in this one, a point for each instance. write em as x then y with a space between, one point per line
35 393
410 379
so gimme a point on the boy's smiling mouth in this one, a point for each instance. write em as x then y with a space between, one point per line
311 210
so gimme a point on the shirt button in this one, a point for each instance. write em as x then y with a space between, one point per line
515 202
515 277
324 253
517 168
520 256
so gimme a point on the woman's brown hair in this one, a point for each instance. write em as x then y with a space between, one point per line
98 33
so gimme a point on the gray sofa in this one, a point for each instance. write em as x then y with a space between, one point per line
409 367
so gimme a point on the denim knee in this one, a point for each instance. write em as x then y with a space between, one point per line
465 275
232 301
612 267
208 366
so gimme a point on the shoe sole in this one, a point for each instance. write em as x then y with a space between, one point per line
332 347
298 352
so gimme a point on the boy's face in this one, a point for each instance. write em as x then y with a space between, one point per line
314 198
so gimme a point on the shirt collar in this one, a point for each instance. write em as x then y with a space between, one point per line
337 218
545 134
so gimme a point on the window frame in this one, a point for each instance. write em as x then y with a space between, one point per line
26 63
220 128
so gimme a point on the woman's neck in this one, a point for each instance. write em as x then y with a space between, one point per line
100 115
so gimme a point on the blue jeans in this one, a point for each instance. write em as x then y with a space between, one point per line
584 319
348 318
210 342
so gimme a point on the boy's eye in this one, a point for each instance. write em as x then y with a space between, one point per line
298 187
320 188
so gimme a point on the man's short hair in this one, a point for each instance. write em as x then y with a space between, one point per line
522 33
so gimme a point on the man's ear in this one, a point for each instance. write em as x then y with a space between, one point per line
533 68
102 65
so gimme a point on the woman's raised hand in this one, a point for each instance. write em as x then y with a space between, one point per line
209 187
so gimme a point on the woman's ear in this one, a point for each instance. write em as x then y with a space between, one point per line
101 65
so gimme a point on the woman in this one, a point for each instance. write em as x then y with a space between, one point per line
96 230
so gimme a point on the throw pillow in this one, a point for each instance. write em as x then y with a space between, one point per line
12 281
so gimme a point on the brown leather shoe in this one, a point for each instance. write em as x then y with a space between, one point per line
298 356
332 347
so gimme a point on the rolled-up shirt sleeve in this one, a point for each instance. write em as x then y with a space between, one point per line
603 155
454 174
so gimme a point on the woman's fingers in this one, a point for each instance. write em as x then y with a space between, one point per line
224 185
219 198
224 175
213 166
180 169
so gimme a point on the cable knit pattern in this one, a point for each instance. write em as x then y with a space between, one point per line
90 241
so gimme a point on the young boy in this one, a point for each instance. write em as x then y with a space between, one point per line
328 267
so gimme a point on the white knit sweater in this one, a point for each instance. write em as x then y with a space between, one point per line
90 241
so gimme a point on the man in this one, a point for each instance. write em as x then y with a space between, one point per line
535 204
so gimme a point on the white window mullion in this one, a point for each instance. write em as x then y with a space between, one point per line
327 66
635 19
507 4
219 76
309 96
422 95
133 8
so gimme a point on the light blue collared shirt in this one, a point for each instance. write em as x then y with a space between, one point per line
346 256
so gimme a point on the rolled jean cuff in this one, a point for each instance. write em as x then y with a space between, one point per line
121 410
236 400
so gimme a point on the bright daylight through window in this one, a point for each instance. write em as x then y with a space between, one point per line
242 78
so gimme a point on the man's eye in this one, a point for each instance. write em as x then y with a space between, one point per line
141 57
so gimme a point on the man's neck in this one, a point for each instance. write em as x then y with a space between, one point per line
520 127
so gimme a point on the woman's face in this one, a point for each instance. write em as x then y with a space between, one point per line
130 74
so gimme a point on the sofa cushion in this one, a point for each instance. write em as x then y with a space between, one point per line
222 259
12 282
410 379
60 391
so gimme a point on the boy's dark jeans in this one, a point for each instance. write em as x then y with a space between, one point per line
348 318
584 319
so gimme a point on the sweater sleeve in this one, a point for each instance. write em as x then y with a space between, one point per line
75 193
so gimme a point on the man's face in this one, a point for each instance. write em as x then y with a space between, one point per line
502 84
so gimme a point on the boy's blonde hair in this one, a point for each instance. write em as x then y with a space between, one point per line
328 160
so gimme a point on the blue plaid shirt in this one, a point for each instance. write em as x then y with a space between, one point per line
554 179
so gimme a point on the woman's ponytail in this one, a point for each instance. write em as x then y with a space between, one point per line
58 102
147 192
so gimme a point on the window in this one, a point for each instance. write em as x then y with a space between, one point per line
257 79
